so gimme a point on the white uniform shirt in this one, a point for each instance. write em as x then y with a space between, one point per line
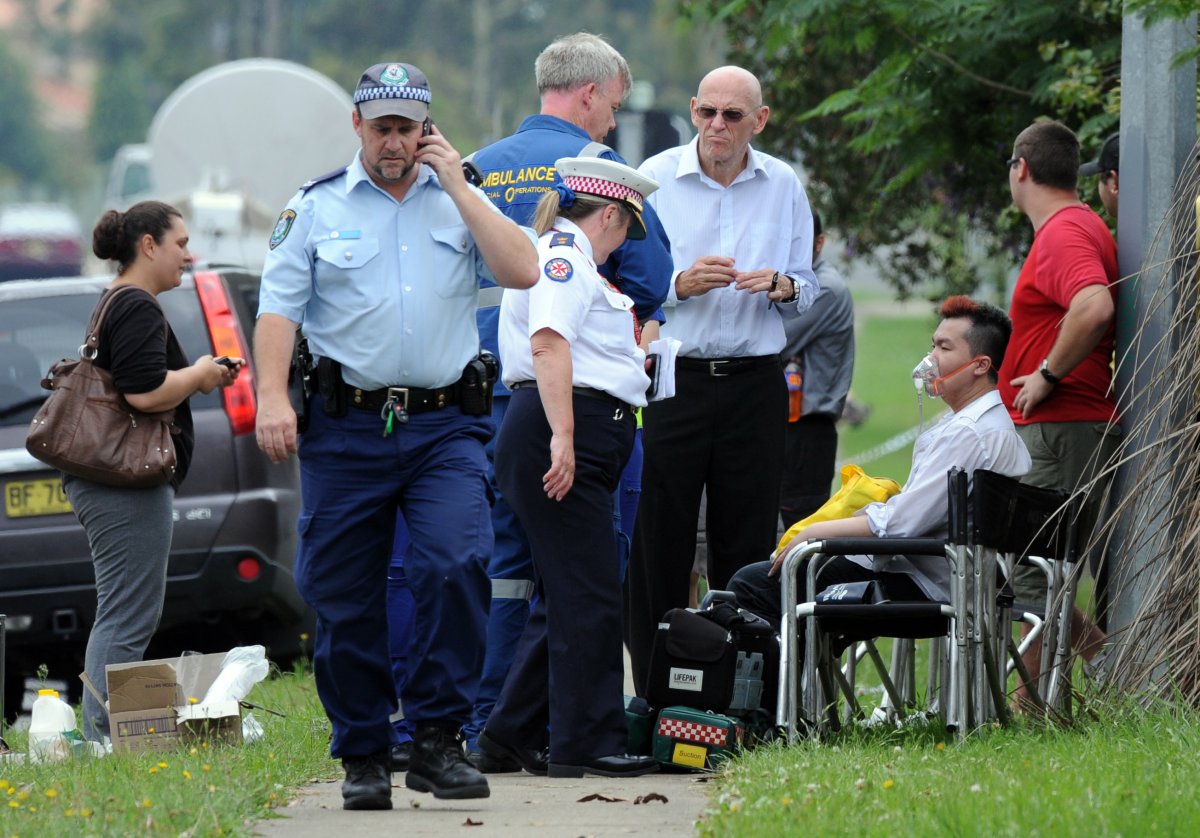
981 435
762 220
572 299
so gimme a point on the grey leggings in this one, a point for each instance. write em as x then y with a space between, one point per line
129 531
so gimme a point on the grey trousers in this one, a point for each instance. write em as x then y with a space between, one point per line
129 532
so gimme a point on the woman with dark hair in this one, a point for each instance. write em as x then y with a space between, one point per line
570 355
129 530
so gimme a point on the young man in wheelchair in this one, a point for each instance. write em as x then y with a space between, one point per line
961 368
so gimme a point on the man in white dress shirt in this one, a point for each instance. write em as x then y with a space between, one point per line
741 241
968 348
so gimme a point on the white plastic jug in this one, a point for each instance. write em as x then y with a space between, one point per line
52 728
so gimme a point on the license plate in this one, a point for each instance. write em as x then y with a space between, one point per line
31 498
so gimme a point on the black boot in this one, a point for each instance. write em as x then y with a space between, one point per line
438 765
400 756
368 783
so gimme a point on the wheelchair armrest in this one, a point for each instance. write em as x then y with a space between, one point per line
874 546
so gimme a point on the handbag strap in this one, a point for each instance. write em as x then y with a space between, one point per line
91 339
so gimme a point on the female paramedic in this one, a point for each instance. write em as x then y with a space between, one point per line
569 352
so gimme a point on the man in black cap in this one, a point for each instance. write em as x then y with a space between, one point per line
380 263
1106 166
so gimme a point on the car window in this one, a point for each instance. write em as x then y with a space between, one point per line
36 332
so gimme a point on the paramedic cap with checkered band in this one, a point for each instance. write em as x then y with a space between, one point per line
393 90
608 179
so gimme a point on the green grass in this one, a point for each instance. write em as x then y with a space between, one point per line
1129 772
200 790
888 346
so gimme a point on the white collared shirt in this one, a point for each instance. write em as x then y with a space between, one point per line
572 299
762 220
980 435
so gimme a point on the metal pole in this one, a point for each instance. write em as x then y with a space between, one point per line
1158 130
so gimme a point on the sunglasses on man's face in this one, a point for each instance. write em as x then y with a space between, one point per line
728 114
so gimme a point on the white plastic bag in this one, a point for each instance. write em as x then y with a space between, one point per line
243 667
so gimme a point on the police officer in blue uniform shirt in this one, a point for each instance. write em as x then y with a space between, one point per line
581 80
380 263
570 352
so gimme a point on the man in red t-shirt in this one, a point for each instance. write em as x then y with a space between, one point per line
1056 379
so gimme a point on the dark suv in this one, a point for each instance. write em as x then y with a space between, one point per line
229 579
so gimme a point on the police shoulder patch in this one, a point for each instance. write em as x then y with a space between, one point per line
282 227
558 269
562 240
322 178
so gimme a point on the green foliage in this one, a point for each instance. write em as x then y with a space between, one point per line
903 113
23 146
121 111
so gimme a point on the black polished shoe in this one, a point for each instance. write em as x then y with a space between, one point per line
489 764
400 757
439 766
535 762
619 765
368 783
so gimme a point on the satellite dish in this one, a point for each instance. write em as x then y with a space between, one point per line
258 127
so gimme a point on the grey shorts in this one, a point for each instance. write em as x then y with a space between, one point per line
1072 456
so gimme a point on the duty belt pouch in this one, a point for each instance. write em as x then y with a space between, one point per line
690 738
692 662
476 385
331 387
300 381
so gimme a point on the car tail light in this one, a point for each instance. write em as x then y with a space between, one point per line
227 339
249 569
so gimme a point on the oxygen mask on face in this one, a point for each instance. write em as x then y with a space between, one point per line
926 377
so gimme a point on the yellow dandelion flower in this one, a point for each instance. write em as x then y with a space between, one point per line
940 746
304 635
211 787
51 792
12 804
3 784
206 767
10 790
151 730
787 800
187 775
22 795
87 813
146 804
193 752
162 765
153 769
888 783
270 756
32 808
70 813
193 700
204 745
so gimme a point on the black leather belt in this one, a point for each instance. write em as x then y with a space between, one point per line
590 392
412 399
719 367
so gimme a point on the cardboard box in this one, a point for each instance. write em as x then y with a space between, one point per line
151 704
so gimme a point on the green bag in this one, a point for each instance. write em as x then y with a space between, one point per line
696 739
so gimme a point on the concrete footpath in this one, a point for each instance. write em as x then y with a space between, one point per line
520 805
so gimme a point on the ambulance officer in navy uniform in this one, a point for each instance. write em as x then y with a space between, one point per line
570 354
380 262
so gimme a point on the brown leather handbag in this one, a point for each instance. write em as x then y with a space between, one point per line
86 428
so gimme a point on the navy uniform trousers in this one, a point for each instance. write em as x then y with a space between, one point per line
353 479
568 673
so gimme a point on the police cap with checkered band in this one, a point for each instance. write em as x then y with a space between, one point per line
393 90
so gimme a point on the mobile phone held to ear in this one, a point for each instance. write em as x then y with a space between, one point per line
427 127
